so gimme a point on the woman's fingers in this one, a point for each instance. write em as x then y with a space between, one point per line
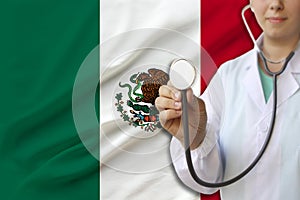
169 92
169 98
163 103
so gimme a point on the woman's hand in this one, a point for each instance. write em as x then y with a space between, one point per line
170 107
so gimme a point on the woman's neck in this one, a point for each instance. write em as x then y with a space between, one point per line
277 50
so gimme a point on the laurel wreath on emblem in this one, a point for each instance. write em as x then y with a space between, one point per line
142 92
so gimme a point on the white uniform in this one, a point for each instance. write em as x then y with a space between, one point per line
238 121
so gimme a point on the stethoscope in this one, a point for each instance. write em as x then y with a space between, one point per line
182 75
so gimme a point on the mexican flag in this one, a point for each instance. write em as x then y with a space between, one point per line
43 45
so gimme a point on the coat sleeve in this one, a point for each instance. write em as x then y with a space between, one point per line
207 159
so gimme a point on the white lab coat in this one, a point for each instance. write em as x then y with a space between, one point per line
238 121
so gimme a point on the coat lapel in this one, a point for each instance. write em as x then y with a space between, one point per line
252 82
288 82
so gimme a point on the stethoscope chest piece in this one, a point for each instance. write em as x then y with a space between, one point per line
182 74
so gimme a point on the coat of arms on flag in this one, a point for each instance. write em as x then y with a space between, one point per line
136 96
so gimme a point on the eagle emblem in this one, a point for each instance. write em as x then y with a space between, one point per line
138 108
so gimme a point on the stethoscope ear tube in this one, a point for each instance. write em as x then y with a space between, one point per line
247 26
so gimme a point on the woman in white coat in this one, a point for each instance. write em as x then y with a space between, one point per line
231 119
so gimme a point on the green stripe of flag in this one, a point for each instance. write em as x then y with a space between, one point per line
42 45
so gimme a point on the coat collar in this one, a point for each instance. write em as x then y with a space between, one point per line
287 83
